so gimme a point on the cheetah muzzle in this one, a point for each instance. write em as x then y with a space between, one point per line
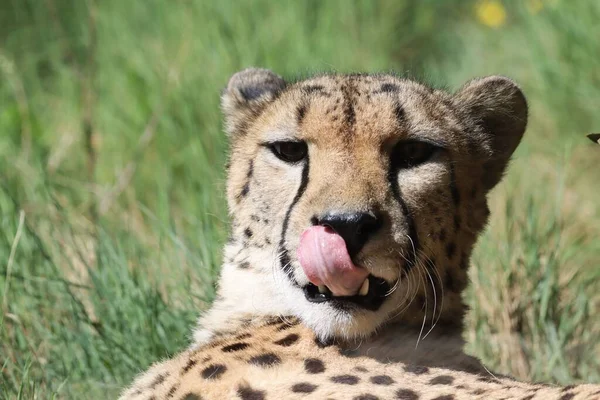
325 254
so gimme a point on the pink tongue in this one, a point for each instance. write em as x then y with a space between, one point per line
325 261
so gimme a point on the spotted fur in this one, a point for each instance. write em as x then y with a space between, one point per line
262 338
307 371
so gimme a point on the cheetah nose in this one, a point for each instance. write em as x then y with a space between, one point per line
355 227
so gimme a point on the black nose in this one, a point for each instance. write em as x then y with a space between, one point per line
355 228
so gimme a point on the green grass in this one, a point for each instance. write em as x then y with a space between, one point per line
112 151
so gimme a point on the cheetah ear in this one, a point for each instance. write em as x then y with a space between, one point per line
246 94
498 108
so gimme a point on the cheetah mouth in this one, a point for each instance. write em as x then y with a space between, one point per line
372 294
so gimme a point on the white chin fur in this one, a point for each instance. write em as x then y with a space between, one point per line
327 321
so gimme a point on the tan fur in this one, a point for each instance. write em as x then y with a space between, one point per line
432 214
281 360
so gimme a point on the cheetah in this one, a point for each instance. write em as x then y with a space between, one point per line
355 202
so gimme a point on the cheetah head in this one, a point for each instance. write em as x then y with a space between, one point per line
357 199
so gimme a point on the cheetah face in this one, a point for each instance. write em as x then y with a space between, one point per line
364 194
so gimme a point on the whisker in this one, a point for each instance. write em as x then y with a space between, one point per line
439 278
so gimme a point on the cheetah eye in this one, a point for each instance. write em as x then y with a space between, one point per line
410 154
290 152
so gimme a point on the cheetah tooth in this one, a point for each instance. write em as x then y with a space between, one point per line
323 289
364 289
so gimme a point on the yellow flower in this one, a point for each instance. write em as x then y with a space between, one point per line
535 6
491 13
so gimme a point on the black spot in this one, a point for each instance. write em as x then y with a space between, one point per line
265 360
213 371
365 396
288 340
158 380
399 113
442 380
235 347
190 364
304 387
314 366
477 392
248 233
451 249
243 336
361 369
191 396
567 388
300 113
406 394
255 218
244 265
389 88
445 397
284 327
172 391
245 190
315 88
382 380
416 369
345 379
247 393
567 396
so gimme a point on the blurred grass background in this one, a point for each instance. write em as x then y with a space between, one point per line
112 212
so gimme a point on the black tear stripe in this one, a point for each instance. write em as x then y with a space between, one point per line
411 260
453 188
284 257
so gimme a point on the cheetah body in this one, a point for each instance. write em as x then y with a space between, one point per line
280 359
418 161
